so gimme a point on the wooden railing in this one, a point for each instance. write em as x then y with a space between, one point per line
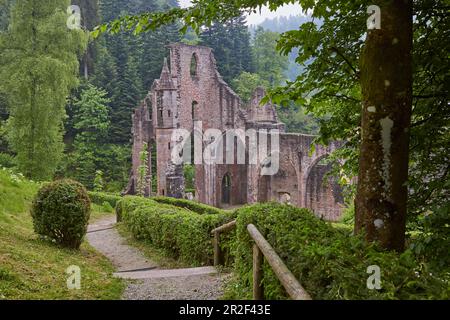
218 254
262 249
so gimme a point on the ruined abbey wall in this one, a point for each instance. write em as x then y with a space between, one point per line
190 91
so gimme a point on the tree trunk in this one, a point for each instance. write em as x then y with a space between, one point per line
86 67
386 82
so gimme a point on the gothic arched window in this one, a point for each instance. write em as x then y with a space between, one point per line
194 110
194 66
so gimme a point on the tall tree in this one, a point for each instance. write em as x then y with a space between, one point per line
90 18
386 82
5 9
131 63
230 42
331 85
269 63
39 67
91 120
129 92
152 50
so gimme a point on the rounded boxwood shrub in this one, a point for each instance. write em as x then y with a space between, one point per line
61 211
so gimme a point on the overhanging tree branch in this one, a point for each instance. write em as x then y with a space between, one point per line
347 61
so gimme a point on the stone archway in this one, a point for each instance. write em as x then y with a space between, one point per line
323 195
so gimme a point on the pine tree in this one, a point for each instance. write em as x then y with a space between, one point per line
242 51
153 50
91 120
39 67
105 72
5 9
127 65
128 93
230 42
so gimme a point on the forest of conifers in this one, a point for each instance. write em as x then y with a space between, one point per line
116 73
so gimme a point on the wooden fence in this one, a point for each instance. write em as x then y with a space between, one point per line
262 249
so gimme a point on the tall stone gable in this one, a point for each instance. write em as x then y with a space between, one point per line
190 92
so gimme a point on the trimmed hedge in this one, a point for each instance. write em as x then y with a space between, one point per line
99 198
130 203
181 233
330 263
197 207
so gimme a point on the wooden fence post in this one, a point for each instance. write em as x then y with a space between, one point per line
258 290
287 279
218 254
217 251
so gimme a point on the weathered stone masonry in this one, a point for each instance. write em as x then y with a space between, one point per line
190 90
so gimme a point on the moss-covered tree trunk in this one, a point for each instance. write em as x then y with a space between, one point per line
386 81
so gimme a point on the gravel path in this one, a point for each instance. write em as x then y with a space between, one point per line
103 237
148 281
206 287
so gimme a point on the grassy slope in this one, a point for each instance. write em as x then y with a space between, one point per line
34 269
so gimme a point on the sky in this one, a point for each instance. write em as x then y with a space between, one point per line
288 10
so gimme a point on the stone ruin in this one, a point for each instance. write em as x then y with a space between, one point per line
191 90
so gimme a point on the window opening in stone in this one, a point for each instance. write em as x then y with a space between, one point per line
194 65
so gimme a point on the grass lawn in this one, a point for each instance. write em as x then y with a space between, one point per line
31 268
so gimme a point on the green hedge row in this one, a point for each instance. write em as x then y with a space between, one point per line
330 263
200 208
99 198
181 233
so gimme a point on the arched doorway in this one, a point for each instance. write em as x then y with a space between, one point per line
226 189
323 195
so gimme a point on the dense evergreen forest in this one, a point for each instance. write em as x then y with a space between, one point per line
115 74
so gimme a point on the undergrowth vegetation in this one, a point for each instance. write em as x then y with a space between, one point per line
329 262
326 258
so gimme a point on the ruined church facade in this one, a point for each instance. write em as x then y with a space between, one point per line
191 94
